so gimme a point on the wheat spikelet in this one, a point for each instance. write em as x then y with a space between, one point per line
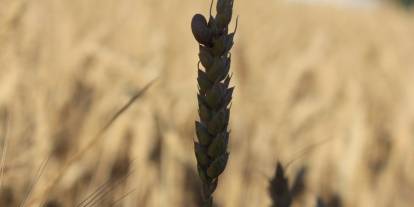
214 95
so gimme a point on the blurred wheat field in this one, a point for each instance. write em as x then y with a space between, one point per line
304 74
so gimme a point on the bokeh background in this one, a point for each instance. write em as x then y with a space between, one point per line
322 85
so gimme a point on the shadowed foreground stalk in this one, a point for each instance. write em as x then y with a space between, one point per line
214 95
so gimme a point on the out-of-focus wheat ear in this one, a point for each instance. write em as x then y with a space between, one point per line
319 202
7 196
5 118
122 164
332 200
78 155
52 203
279 188
298 186
214 95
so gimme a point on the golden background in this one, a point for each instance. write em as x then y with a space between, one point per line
327 87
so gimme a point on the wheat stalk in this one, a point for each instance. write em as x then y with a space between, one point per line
214 95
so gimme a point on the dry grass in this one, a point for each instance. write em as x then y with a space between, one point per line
304 74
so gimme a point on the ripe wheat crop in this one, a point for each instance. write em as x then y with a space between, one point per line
303 73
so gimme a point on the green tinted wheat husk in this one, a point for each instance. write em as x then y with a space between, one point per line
214 95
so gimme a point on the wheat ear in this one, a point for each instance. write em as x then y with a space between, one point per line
214 95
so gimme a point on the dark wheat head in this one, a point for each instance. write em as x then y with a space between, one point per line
280 192
214 95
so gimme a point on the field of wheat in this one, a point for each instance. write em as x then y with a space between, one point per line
318 87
